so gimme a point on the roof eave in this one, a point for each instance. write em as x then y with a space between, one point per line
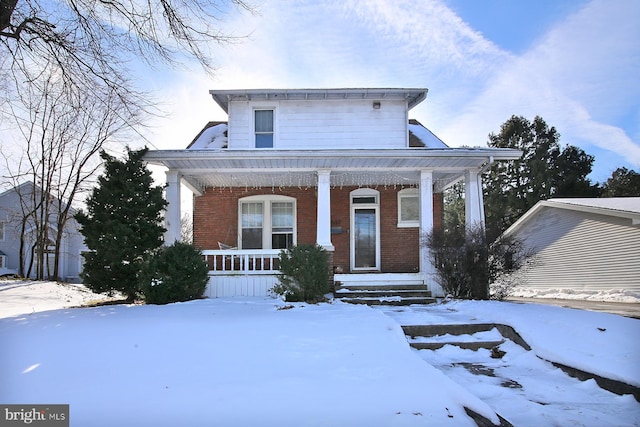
414 96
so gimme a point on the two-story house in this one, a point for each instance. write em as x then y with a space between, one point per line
343 168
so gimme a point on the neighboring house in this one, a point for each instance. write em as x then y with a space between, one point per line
342 168
13 205
582 245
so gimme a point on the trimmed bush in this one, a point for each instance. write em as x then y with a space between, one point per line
176 273
304 274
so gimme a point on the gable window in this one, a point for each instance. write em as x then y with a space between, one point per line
267 222
264 128
1 231
408 208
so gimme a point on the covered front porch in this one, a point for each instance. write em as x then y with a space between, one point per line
318 177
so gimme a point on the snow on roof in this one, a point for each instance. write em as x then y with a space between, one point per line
624 204
428 138
212 137
623 207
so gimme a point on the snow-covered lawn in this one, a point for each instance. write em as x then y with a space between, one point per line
29 296
260 362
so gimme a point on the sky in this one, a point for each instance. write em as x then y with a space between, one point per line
572 62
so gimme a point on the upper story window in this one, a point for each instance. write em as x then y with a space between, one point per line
263 126
1 231
409 208
267 222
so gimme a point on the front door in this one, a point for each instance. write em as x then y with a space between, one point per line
365 231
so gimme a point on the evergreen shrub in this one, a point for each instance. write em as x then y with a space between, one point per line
304 274
176 273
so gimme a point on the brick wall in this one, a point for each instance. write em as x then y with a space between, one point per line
215 219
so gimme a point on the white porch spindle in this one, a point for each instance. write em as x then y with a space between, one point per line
172 215
474 205
323 228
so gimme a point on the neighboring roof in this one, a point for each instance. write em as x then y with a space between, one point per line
622 204
420 136
213 136
414 96
622 207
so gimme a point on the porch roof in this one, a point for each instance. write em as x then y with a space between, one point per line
280 168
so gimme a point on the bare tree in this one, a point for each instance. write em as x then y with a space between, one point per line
92 42
186 228
63 130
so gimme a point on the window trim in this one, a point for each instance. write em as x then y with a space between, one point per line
405 194
267 226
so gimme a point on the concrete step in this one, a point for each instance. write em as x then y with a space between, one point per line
506 331
402 293
360 286
382 289
467 345
393 301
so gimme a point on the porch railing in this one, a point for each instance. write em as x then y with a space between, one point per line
244 261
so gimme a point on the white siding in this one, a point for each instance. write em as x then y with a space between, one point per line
582 251
324 124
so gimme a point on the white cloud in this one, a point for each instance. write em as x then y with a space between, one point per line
578 78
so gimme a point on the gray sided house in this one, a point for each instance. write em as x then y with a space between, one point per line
16 204
584 245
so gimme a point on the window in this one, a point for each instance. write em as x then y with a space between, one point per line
1 231
3 260
252 225
264 128
281 225
267 222
409 208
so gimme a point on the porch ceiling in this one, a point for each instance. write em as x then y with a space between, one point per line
273 168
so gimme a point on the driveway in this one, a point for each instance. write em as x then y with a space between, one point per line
622 308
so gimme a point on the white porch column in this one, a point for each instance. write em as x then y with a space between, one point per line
172 215
473 200
426 226
323 227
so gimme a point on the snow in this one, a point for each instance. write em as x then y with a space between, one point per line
429 139
610 295
28 296
625 204
257 361
211 138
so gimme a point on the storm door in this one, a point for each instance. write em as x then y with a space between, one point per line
365 230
